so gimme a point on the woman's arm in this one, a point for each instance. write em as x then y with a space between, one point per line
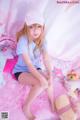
48 64
33 70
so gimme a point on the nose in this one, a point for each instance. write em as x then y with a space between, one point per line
35 31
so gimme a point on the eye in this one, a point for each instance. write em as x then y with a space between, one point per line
74 74
30 27
39 26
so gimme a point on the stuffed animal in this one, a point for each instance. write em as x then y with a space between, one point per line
72 80
72 84
73 75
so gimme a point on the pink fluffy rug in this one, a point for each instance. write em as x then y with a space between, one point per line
12 96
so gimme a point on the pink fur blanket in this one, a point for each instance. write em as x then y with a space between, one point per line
12 96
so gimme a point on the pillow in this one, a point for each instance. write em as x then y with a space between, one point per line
4 55
9 65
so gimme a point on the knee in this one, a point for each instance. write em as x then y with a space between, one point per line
64 109
36 84
39 86
62 101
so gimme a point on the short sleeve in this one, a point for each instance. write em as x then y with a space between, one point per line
44 46
22 46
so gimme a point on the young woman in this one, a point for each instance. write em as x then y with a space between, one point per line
28 69
31 50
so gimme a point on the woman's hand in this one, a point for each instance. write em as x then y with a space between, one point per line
49 78
50 81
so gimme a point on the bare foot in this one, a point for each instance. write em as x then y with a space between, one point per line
28 114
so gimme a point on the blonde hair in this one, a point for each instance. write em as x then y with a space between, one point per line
24 31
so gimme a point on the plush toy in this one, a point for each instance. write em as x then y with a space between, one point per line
73 75
72 80
72 84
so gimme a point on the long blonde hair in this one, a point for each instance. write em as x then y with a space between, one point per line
24 31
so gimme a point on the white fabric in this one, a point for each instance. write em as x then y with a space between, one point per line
62 23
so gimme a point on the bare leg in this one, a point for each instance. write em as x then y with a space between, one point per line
50 91
34 92
51 97
64 108
28 79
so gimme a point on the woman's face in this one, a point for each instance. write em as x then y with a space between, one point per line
35 31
